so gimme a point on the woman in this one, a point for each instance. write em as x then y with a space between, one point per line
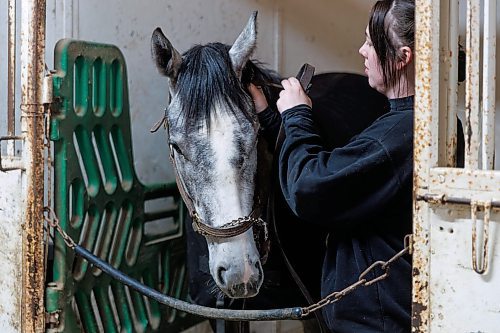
361 192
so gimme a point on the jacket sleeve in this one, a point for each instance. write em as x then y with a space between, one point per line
338 187
270 122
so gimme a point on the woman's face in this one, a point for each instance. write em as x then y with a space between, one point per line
372 64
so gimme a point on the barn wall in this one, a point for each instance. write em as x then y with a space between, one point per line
324 33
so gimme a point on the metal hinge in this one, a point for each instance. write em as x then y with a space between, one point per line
52 319
11 161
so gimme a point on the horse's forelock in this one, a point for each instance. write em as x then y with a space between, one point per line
206 79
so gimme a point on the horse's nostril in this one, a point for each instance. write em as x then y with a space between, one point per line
221 275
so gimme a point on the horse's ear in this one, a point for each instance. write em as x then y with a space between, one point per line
168 60
244 45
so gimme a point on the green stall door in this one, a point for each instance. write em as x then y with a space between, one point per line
102 205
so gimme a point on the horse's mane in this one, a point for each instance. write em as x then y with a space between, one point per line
206 77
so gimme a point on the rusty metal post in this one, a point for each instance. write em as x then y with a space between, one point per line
32 127
425 155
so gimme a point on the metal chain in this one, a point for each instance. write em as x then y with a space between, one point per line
362 281
53 221
331 298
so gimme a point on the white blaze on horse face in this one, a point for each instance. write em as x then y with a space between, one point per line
232 197
232 200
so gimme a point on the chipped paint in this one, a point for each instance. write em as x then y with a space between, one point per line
472 89
32 127
453 263
10 256
425 155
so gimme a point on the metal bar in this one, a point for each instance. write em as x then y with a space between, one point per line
444 72
160 215
156 191
11 78
472 130
448 87
434 198
489 65
452 93
32 128
11 162
425 150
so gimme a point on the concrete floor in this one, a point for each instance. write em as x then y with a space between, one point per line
286 326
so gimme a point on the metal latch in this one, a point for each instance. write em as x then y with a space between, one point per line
480 269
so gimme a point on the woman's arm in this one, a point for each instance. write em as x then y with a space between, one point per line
342 186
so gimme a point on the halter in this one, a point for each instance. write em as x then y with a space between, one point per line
231 229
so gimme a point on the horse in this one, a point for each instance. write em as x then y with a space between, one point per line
219 152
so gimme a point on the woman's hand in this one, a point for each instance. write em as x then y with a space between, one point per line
259 99
292 95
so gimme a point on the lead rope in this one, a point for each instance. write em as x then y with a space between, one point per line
213 313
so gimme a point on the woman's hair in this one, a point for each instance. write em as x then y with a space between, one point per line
392 26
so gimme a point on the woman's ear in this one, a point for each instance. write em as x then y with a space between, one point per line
406 57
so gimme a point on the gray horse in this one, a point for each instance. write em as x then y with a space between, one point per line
212 133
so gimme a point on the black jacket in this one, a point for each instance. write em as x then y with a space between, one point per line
362 193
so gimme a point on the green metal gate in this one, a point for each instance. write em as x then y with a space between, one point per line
102 205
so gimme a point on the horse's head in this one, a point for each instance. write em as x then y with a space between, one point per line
212 133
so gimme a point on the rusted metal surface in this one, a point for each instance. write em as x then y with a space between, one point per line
476 184
455 233
480 264
472 91
425 156
452 82
489 64
461 299
448 76
443 199
32 127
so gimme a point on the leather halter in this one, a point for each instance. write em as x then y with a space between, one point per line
231 229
